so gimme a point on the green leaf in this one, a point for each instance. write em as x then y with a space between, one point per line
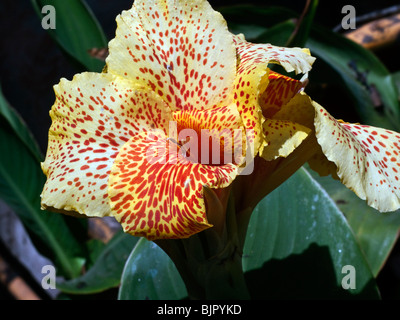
150 274
297 243
21 182
278 34
252 20
19 127
302 30
376 232
396 78
107 269
363 75
77 30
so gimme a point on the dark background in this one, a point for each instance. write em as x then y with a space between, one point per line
31 63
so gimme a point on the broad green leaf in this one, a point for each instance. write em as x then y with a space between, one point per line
302 31
376 232
107 269
396 78
252 20
150 274
77 30
18 125
297 243
95 248
21 182
278 34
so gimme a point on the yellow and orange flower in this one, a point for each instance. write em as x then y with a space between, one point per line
113 151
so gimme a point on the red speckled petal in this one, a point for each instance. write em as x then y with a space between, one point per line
182 50
93 117
367 158
280 90
291 59
218 130
218 118
252 78
157 193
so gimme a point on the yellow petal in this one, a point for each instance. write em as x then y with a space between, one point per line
157 193
94 115
282 138
299 110
182 50
290 124
367 158
319 163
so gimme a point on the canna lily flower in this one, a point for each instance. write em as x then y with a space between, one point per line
112 149
128 142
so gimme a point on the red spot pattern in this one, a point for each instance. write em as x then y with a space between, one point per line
367 159
279 91
183 51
